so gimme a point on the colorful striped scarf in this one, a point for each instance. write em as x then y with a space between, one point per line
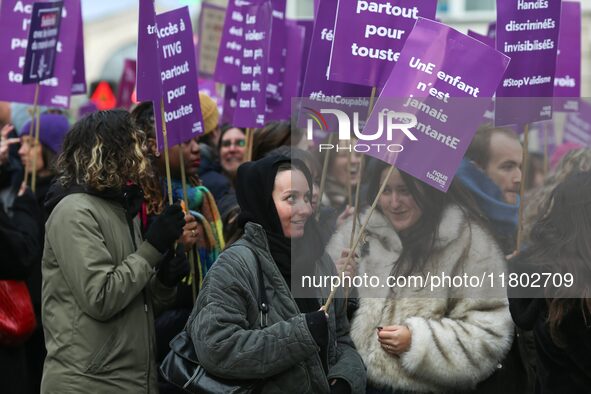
203 207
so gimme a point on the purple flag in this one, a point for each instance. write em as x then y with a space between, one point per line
15 16
252 86
227 69
178 72
126 84
527 31
316 86
444 79
148 70
567 81
482 38
368 37
281 109
79 78
277 50
577 127
44 32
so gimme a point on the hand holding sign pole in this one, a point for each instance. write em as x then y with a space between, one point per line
40 59
180 110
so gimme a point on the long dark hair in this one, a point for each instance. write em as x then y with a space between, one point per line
418 242
560 241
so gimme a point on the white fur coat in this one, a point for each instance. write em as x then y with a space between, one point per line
456 342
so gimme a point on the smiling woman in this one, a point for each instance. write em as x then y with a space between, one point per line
231 338
420 231
232 146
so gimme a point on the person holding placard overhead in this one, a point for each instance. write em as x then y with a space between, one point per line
413 337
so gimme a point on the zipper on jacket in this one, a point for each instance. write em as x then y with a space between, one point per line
148 340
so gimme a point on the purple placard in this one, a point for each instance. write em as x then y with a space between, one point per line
277 51
252 86
44 32
309 27
369 35
79 77
176 52
15 16
281 109
446 79
482 38
208 87
316 86
126 84
577 127
527 31
567 80
227 69
148 86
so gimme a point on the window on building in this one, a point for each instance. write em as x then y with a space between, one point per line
480 5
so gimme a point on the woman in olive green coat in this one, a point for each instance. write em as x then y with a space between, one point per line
100 291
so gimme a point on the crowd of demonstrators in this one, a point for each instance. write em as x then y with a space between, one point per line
116 286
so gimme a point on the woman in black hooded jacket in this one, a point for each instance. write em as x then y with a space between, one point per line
293 346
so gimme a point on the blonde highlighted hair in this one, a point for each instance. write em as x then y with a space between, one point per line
106 150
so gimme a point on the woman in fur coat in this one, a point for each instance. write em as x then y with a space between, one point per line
415 339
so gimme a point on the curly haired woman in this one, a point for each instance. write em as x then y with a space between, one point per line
100 290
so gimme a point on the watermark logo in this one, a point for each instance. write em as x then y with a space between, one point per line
316 118
390 124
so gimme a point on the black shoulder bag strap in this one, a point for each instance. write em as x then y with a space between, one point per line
263 303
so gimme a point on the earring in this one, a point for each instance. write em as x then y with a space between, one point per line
157 154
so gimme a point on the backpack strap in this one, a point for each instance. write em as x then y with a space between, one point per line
263 303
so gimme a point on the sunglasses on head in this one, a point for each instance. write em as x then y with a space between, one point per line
240 143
